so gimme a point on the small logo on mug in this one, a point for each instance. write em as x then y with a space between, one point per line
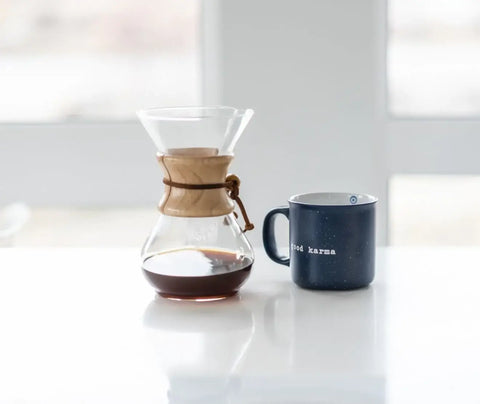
353 199
311 250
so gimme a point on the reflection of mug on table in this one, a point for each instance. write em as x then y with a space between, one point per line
327 332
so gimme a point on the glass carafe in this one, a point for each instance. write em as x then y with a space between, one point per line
197 250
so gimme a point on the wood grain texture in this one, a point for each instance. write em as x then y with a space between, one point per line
195 168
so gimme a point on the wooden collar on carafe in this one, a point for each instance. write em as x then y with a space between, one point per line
197 185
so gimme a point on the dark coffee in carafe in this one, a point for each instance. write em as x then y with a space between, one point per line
197 274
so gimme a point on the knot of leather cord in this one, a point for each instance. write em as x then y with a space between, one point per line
232 185
233 189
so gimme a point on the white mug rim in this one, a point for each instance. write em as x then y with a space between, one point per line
333 199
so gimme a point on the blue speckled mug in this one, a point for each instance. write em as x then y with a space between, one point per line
332 240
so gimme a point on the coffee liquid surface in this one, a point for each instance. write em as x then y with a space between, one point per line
197 273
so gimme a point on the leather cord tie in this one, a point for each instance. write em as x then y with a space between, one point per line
232 185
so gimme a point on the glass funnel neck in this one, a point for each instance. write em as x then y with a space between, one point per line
214 130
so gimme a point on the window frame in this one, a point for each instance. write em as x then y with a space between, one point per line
28 146
421 145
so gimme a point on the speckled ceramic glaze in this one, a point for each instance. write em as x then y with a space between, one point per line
332 240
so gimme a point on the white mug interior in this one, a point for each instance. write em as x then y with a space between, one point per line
333 199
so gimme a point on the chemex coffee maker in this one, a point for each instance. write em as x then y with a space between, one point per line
197 250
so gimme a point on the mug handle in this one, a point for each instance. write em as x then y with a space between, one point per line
269 235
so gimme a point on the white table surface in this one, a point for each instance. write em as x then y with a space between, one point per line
83 326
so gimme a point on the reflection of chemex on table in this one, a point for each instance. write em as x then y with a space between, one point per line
200 346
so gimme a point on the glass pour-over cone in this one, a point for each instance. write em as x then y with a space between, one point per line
197 250
175 129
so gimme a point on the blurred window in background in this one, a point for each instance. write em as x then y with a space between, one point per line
433 73
96 60
434 210
433 59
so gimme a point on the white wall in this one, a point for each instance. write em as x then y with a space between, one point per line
309 68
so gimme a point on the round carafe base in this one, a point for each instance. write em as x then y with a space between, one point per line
198 288
221 274
197 298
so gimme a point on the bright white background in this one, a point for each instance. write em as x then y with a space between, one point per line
315 73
